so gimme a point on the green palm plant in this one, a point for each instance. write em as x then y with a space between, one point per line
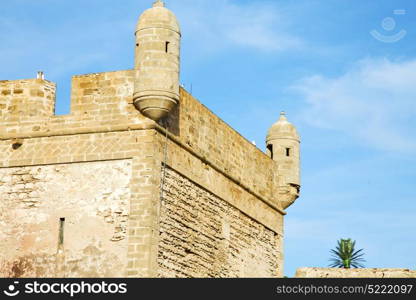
345 255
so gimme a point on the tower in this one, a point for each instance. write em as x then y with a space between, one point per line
157 58
283 143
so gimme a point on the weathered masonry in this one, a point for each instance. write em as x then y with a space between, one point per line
140 179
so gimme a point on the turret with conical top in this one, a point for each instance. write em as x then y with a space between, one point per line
157 58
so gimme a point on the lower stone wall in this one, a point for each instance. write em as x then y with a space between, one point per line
93 197
354 273
201 235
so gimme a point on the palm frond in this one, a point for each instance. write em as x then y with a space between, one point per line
345 256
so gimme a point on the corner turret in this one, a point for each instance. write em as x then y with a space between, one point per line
283 146
157 59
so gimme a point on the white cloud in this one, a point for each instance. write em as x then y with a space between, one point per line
208 26
374 102
221 23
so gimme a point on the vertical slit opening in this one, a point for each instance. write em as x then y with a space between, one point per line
167 47
270 149
61 231
288 152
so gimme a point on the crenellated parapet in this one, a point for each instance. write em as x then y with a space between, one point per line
103 102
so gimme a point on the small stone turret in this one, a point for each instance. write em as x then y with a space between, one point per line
283 145
157 58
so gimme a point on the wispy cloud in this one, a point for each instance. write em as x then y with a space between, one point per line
208 27
221 23
373 102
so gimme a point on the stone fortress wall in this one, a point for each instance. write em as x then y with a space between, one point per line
140 179
69 166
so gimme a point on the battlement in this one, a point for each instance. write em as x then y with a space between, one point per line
26 99
91 95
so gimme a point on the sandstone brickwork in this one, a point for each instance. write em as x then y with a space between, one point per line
92 197
81 194
202 235
23 99
157 62
108 93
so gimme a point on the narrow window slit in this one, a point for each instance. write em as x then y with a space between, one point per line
287 151
61 231
167 47
270 148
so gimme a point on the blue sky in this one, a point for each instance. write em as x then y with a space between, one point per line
351 96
